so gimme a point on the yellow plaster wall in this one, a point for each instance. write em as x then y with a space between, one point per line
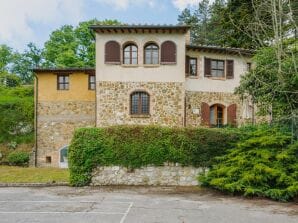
78 88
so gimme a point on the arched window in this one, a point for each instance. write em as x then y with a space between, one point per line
217 115
151 54
112 52
130 54
168 52
139 103
63 161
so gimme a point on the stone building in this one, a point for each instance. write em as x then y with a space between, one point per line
143 75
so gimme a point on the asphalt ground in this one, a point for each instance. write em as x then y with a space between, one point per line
137 205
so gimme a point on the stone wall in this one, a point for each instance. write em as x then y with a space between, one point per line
168 175
166 103
56 122
194 100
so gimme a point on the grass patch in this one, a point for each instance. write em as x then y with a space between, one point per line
10 174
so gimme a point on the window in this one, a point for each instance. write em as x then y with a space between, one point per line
130 54
63 82
168 53
151 54
140 103
48 159
217 68
248 67
112 52
217 115
91 82
63 162
192 66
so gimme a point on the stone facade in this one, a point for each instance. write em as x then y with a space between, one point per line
195 99
166 103
168 175
56 123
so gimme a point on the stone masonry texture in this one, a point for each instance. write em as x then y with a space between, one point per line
166 103
56 123
194 100
167 175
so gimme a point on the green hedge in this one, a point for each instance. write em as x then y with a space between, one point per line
137 146
18 158
264 163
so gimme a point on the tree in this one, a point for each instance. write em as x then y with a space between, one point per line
273 83
9 80
73 46
24 62
6 56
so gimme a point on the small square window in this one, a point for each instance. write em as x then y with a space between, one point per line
63 82
91 82
48 159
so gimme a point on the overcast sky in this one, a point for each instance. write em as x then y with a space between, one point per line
24 21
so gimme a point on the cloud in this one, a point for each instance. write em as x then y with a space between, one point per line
124 4
18 17
182 4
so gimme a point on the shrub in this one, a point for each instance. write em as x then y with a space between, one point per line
137 146
18 158
264 163
16 114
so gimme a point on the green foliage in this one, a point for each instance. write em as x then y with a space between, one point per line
73 46
6 56
263 163
221 23
273 82
24 62
137 146
9 80
16 114
18 158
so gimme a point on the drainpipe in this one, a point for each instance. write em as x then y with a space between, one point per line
35 118
94 38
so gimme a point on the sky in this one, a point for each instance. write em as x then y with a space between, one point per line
24 21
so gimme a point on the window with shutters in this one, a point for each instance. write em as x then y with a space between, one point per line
192 67
217 68
151 52
217 115
91 82
112 52
139 103
62 82
130 54
168 53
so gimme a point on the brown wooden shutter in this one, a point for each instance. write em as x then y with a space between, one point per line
168 53
230 69
231 114
205 114
207 68
187 65
112 52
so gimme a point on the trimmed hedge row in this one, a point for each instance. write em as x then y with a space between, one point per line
137 146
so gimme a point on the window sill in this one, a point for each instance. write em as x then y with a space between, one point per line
112 63
140 116
168 63
151 65
193 77
129 65
217 78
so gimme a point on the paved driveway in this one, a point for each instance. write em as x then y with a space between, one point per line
136 205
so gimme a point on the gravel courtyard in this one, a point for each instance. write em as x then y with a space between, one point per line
137 205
